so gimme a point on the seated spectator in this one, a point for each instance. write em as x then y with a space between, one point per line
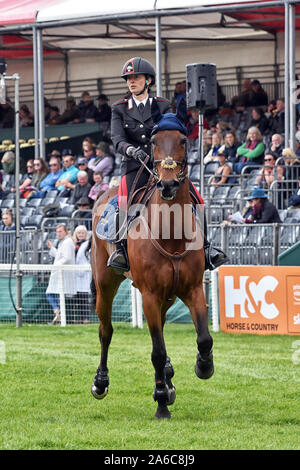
82 187
251 152
269 172
41 171
70 113
54 153
294 200
82 164
276 145
87 110
8 163
212 154
104 110
69 176
99 187
259 120
84 211
223 171
271 109
240 216
48 183
54 115
277 118
7 115
258 95
26 116
230 148
88 148
103 161
263 211
207 141
291 168
223 127
179 92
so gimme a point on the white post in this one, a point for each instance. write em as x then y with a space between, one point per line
214 300
63 318
133 307
139 309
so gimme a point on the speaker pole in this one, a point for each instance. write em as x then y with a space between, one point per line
201 155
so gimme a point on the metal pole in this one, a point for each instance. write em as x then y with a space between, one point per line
292 110
201 156
35 92
41 92
286 75
158 56
17 184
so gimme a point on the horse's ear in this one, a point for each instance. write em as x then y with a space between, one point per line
181 111
155 111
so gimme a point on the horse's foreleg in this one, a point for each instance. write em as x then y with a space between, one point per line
196 302
159 355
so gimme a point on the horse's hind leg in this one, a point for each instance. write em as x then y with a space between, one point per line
104 302
204 367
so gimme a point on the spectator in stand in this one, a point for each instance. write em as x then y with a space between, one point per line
88 148
230 149
82 187
41 171
177 92
258 95
83 277
48 183
259 120
241 121
103 161
7 115
294 200
252 151
64 254
84 212
87 110
68 177
104 110
54 115
277 118
222 127
27 178
269 172
26 116
212 154
99 187
291 166
207 141
271 109
223 171
82 165
54 153
276 146
7 241
8 163
244 97
70 114
193 124
263 211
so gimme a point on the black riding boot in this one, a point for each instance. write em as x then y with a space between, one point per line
118 260
214 257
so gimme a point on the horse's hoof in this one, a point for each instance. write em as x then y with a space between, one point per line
172 395
162 412
97 393
204 368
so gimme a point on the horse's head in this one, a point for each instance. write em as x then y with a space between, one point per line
169 153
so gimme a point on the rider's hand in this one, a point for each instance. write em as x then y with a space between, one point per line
136 153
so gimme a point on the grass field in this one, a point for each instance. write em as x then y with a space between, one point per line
252 401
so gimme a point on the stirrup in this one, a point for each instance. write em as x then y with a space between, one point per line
214 257
118 260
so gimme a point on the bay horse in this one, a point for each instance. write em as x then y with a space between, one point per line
161 267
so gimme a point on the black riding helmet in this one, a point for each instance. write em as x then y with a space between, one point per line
138 65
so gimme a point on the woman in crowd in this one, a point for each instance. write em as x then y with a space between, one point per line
269 172
222 172
251 152
41 171
212 155
98 187
83 277
230 148
7 240
103 161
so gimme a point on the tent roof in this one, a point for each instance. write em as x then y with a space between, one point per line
90 25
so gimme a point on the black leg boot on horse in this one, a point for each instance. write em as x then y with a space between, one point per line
118 260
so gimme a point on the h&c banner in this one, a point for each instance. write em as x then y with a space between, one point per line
262 300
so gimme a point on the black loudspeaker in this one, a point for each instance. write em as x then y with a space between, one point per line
201 92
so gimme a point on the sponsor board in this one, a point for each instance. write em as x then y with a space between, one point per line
261 300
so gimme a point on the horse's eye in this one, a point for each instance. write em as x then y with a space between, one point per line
153 142
183 142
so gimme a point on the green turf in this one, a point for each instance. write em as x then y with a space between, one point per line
251 402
